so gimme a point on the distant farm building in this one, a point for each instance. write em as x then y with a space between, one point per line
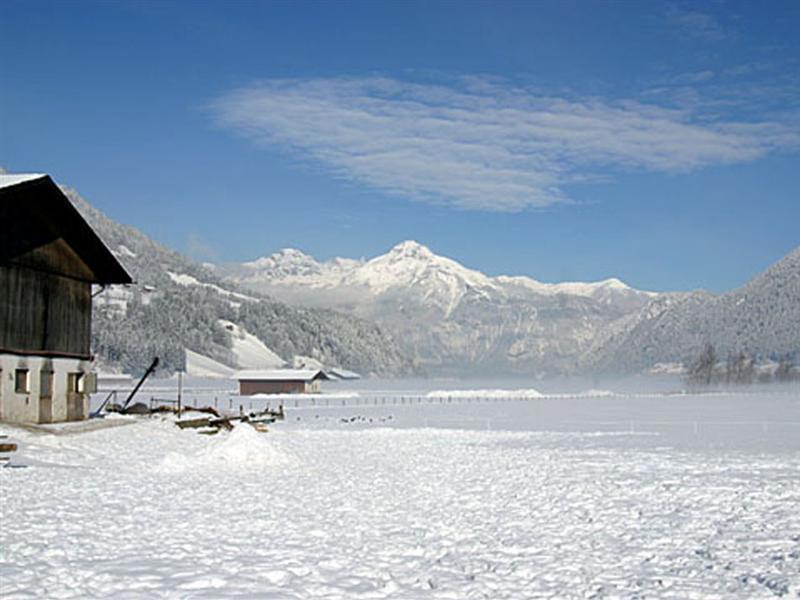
344 374
49 259
280 381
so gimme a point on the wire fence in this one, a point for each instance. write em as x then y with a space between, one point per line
230 403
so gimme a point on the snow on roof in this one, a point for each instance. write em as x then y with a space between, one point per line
9 179
279 375
339 373
39 210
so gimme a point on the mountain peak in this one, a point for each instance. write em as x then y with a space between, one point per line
292 252
286 261
411 249
613 282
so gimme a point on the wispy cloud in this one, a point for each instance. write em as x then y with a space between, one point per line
478 143
696 24
199 249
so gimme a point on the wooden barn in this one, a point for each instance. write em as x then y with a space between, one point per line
49 259
280 381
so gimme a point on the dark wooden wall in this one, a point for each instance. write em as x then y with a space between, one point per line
246 388
44 313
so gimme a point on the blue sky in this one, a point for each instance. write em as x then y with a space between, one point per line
654 141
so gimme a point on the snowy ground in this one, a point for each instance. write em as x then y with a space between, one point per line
602 496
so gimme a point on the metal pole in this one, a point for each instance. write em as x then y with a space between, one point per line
180 390
150 369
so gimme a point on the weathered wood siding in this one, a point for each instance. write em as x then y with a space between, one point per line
248 387
42 312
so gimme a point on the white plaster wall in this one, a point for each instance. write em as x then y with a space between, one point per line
24 408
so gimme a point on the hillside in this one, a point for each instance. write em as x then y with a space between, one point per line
760 318
177 305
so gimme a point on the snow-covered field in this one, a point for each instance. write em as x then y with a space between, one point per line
598 495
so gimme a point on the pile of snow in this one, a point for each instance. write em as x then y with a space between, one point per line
242 448
529 393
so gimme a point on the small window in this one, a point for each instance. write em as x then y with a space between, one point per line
45 384
21 385
75 383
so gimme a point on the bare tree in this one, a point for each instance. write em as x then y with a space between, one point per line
745 369
786 370
702 371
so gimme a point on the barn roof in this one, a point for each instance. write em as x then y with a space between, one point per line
9 179
38 214
280 375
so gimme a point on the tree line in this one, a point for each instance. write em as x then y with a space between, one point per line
738 368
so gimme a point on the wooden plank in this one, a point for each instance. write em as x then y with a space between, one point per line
43 312
194 423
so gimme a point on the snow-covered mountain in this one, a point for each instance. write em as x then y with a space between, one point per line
181 311
289 264
451 317
429 310
760 318
409 264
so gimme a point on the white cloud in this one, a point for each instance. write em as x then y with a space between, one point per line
481 144
697 24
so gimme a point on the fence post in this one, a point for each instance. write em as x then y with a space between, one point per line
180 391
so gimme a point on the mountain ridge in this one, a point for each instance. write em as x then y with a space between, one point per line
454 318
178 305
294 264
449 316
760 318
